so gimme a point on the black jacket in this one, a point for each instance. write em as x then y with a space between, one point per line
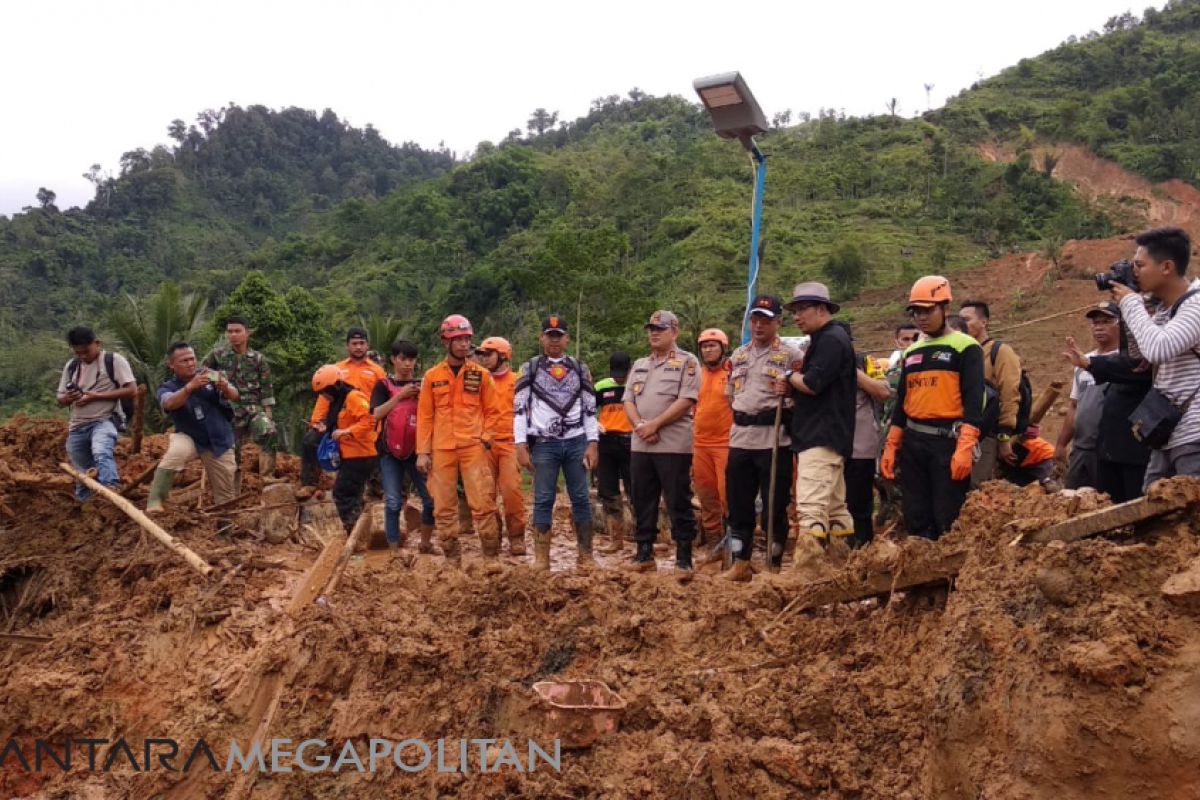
1125 384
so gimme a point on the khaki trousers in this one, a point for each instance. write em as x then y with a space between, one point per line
821 493
220 469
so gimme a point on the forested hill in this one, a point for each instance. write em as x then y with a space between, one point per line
636 205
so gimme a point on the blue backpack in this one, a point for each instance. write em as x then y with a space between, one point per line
329 453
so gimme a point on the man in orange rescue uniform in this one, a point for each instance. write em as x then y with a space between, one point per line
939 407
710 447
456 413
495 355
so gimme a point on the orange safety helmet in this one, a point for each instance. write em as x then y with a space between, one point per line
456 325
326 376
929 291
714 335
499 344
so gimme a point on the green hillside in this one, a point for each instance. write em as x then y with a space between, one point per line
634 206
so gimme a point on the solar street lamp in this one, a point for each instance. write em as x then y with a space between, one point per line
736 115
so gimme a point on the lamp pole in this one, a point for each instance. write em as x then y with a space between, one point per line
736 115
760 184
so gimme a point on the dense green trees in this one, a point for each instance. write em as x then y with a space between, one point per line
306 225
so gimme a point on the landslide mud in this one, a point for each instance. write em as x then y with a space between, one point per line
1050 671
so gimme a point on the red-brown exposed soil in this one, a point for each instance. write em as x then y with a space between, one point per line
1055 671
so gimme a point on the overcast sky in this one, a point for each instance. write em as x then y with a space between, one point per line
86 80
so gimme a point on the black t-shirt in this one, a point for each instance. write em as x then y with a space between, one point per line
826 419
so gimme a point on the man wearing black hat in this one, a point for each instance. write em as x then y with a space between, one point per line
756 388
1107 387
615 433
823 419
555 430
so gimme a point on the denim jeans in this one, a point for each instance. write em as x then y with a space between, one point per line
549 456
394 473
92 446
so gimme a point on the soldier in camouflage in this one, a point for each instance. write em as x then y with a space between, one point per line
248 371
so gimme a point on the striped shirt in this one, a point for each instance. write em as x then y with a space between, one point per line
1173 346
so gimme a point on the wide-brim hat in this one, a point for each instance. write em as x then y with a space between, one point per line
812 292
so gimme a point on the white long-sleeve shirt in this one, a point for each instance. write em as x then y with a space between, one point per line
1173 346
532 416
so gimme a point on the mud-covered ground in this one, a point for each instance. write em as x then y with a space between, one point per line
1047 671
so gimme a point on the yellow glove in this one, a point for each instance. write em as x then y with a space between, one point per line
887 464
964 453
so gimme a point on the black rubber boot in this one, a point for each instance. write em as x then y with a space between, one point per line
683 562
643 561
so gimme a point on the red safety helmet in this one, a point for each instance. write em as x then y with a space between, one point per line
326 376
714 335
456 325
499 344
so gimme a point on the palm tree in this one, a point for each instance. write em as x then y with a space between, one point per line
381 332
146 329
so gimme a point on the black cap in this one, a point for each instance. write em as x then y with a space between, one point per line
357 333
1108 309
554 324
619 363
767 305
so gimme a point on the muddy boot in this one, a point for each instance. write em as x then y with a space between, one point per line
643 560
426 544
740 572
684 570
489 545
266 463
584 560
811 563
541 547
838 547
516 541
616 534
160 487
775 558
451 551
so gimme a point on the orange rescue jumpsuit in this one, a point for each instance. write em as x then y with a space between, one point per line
503 456
362 376
710 448
455 415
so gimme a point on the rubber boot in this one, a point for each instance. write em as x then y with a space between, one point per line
489 546
616 534
516 541
426 545
741 572
451 551
266 463
160 487
541 547
684 569
643 560
775 557
584 560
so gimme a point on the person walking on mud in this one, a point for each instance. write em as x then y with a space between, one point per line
939 407
663 388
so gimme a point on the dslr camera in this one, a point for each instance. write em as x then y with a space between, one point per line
1120 272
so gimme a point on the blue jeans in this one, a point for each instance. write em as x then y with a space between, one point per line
549 456
394 473
92 446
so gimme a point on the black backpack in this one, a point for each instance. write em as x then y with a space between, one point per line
126 403
991 394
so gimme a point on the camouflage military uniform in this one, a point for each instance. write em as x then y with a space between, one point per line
251 376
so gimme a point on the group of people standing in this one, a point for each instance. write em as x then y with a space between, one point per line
775 422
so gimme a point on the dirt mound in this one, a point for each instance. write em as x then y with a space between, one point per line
1048 671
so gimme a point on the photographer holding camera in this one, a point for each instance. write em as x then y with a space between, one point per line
1168 419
